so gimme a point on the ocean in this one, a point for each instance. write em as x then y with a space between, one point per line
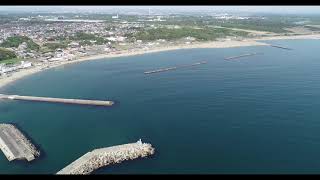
256 114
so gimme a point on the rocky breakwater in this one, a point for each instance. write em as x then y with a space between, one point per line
15 145
106 156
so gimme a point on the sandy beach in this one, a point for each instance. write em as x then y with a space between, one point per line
215 44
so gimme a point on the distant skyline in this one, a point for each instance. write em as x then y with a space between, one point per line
212 9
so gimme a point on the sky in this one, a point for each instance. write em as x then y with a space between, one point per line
249 9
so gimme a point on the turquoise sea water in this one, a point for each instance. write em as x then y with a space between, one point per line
257 114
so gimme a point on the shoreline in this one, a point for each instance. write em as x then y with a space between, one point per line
214 44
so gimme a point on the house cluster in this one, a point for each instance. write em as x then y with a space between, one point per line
57 30
53 31
58 55
7 69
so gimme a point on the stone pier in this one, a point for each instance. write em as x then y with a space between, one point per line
15 145
106 156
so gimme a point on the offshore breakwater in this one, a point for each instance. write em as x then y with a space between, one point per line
241 56
174 67
280 47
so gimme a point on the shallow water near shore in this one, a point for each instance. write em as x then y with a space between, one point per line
256 114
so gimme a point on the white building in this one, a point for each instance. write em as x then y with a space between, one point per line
121 38
56 59
190 38
115 17
25 64
161 40
5 70
74 45
70 57
111 38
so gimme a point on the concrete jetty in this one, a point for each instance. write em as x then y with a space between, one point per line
281 47
57 100
105 156
15 145
240 56
174 67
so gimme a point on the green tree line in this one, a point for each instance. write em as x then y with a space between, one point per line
15 41
204 34
6 54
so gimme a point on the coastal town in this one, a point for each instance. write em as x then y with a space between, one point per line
43 34
39 42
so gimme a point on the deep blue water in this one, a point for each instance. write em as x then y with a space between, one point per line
257 114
